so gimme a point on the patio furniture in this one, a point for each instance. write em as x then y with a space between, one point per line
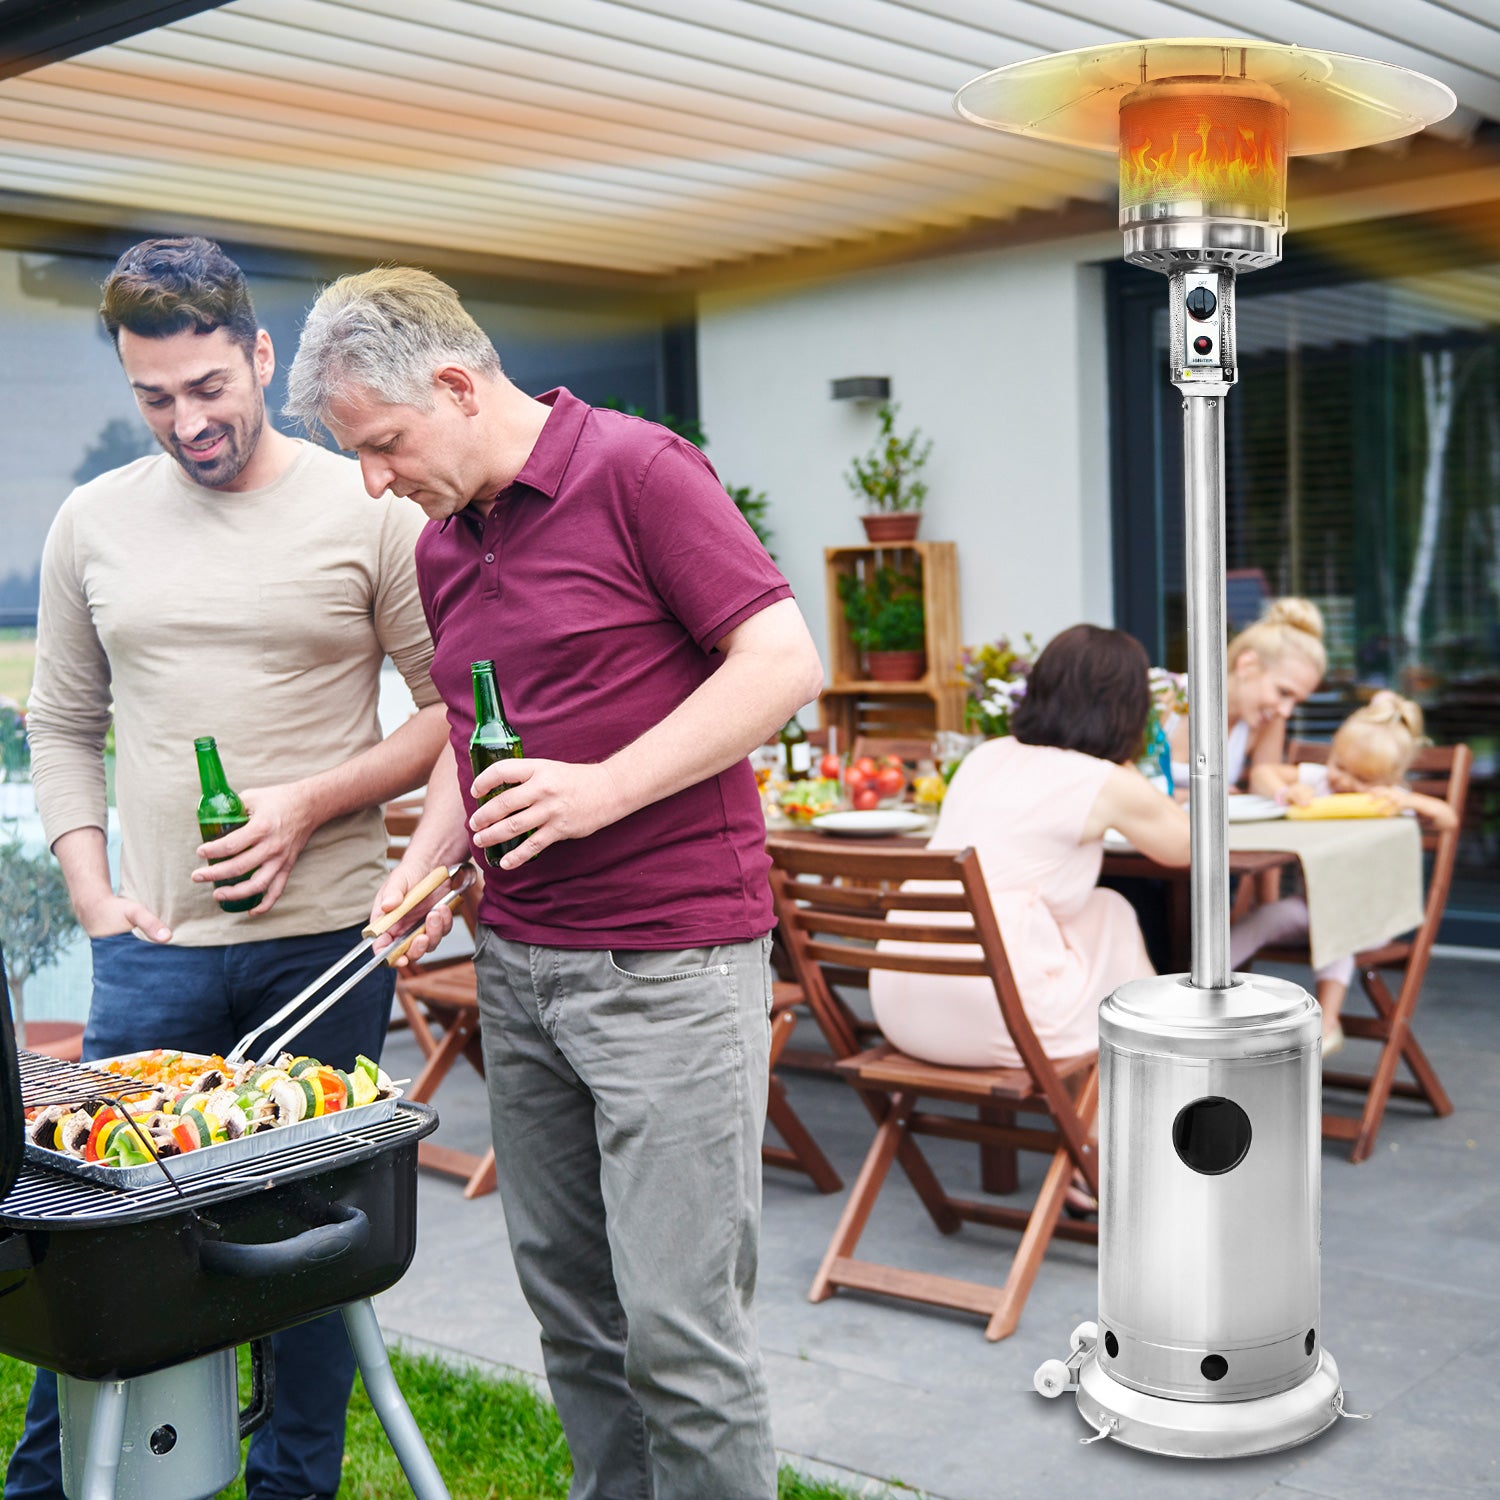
854 703
801 1153
1440 771
60 1039
834 904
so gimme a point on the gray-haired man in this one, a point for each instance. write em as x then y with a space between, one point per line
644 643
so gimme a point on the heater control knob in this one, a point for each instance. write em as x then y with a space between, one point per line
1203 344
1201 303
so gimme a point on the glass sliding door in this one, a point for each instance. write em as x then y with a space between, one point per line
1363 471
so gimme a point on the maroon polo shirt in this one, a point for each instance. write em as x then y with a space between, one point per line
600 582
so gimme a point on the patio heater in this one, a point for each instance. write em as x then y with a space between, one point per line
1208 1342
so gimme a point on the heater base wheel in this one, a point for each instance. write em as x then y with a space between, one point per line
1085 1336
1210 1429
1052 1378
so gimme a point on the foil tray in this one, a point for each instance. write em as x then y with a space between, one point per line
220 1157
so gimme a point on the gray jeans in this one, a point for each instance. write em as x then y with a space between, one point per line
628 1099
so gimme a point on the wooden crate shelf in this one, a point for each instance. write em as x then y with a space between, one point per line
854 704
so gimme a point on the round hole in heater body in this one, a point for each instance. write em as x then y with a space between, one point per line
1111 1345
1214 1367
1311 1341
1211 1135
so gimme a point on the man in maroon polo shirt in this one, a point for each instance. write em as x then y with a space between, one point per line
644 642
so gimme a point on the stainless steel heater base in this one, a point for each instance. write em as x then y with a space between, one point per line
1209 1429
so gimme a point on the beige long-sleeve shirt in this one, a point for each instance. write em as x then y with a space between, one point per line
261 618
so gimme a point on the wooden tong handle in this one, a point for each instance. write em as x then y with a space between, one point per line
414 897
399 951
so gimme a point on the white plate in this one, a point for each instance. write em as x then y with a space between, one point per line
871 824
1249 808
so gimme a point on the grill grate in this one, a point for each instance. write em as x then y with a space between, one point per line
48 1199
46 1081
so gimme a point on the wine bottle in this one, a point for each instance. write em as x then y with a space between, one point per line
493 739
796 752
219 811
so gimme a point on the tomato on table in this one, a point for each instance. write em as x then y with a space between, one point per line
890 780
830 767
866 799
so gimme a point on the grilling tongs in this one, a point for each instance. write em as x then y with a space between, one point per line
462 874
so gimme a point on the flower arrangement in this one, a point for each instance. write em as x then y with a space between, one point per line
996 678
1168 693
1168 700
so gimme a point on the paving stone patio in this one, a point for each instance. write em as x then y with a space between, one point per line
870 1391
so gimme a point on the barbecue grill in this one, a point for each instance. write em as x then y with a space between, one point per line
138 1296
1208 1342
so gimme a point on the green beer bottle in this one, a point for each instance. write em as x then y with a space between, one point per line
493 739
219 811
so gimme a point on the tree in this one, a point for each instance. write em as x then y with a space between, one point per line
36 919
119 442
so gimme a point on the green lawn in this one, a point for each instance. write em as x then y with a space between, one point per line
17 654
492 1439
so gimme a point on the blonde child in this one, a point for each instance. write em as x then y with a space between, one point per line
1371 752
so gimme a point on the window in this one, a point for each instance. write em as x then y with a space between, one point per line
1362 470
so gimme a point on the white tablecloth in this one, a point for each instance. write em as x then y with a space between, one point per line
1363 877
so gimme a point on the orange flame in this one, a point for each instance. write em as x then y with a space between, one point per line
1185 145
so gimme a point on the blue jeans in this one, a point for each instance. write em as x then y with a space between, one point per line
204 1000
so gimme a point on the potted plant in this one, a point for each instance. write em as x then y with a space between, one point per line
887 622
886 480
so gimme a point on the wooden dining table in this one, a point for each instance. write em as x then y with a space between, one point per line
1252 864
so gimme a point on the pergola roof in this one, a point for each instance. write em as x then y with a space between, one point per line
600 139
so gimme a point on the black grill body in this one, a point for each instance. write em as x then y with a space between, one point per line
112 1291
106 1283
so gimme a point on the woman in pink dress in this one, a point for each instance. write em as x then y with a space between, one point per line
1035 806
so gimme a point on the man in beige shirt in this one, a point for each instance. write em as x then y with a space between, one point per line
241 585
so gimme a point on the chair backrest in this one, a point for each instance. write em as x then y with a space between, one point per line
1440 771
834 907
401 819
911 751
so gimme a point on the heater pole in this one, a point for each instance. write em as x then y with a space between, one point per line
1203 477
1208 1342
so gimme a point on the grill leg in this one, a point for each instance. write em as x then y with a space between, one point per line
390 1405
106 1434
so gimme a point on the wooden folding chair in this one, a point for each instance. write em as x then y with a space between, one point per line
801 1153
438 996
1440 771
834 906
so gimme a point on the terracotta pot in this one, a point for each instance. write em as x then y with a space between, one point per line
895 666
892 526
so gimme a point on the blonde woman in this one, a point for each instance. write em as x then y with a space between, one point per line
1272 666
